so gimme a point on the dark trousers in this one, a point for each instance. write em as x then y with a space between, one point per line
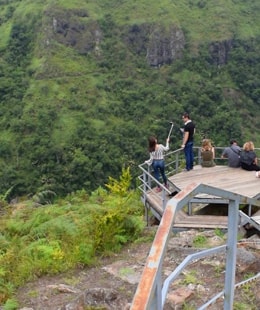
251 167
188 151
159 168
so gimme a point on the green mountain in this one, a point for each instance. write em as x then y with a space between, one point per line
84 83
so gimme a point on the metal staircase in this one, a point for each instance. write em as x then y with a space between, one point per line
151 292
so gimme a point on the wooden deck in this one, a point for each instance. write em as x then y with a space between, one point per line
235 180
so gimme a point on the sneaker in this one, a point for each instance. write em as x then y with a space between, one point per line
257 174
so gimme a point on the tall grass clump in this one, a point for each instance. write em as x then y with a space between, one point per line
76 231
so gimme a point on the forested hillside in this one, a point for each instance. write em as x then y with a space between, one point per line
84 83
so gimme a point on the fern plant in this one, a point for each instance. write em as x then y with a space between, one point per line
121 186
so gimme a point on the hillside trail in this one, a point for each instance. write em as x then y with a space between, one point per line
112 283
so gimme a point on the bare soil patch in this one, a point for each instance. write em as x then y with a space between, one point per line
113 282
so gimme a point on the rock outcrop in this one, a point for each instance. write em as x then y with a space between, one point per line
158 44
219 52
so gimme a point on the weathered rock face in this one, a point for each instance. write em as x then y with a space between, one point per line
219 51
160 45
137 38
74 28
165 46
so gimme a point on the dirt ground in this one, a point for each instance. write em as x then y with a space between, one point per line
112 284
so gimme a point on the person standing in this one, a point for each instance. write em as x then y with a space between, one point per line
157 159
232 153
187 142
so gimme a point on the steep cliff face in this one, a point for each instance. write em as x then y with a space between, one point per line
161 45
165 45
73 28
96 61
157 43
219 51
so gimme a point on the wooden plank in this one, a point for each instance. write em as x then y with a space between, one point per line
234 180
200 221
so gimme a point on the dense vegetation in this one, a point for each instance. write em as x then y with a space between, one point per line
73 114
79 97
37 240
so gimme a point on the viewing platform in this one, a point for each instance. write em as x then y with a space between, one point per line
235 180
215 197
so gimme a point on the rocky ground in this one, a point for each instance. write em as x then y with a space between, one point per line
112 284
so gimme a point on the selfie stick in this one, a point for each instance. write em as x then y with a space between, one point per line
170 130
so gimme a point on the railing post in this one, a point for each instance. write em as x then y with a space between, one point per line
250 210
199 156
158 290
233 217
177 162
149 179
164 199
146 215
145 181
189 208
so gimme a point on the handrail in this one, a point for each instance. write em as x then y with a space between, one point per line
150 293
174 163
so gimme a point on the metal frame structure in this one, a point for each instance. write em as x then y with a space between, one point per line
174 163
151 292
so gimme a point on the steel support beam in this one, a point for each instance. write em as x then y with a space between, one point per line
233 218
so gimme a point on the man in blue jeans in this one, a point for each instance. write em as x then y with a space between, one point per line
187 143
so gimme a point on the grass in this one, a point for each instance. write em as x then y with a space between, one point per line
191 277
11 304
33 293
188 307
203 21
126 271
214 21
243 306
54 238
200 241
5 34
219 232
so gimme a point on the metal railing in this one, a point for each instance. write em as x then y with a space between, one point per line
151 292
174 163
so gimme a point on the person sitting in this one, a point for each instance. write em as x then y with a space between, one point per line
248 158
232 153
207 154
